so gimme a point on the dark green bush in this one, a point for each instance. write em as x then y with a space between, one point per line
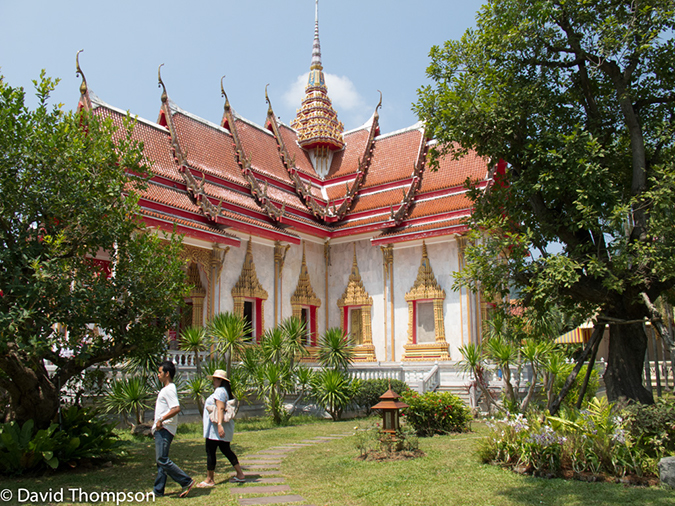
570 400
25 449
652 428
84 434
436 413
370 390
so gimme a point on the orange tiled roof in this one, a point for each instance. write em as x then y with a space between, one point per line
346 161
207 148
453 173
156 141
261 147
394 157
440 205
302 161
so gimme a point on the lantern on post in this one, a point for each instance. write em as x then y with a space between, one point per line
390 405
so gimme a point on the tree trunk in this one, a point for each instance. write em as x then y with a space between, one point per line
625 364
32 393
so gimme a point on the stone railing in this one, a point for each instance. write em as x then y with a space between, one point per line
185 359
431 380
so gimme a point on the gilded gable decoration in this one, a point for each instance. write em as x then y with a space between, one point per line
356 306
304 293
305 303
425 315
248 284
248 289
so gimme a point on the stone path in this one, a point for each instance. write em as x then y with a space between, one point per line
263 474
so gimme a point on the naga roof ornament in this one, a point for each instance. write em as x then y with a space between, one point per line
316 121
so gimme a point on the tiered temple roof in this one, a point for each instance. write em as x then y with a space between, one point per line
265 181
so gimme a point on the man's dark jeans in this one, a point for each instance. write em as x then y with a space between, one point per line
165 466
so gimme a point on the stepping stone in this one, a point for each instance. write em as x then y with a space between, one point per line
279 499
259 461
262 473
266 480
276 452
260 466
266 489
265 458
328 438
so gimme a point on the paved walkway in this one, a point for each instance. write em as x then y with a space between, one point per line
263 474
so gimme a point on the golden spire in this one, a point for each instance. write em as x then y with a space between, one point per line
304 293
316 120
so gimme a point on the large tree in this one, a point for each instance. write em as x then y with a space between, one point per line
577 99
68 186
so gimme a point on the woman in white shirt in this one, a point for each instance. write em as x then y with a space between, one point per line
219 434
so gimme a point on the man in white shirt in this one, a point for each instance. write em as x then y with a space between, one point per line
167 408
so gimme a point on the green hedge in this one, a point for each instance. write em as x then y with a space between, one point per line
370 390
436 413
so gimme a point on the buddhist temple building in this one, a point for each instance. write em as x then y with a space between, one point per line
347 229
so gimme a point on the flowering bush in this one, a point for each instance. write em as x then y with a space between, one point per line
436 413
595 440
653 427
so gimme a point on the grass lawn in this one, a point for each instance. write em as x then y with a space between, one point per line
330 474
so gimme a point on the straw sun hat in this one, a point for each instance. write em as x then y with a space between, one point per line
219 373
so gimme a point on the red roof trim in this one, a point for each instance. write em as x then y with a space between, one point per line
168 226
413 236
259 232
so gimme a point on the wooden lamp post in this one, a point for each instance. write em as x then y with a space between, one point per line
390 405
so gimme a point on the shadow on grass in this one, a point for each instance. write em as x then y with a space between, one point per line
564 492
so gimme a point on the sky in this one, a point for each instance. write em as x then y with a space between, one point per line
366 46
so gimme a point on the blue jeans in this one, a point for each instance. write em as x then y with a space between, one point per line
165 466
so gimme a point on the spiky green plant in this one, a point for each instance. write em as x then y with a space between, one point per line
128 395
194 340
336 349
228 331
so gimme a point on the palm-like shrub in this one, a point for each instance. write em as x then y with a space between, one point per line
194 340
128 395
333 391
196 388
228 331
336 349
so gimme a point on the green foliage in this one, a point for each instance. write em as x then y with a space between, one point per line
227 330
595 440
194 340
574 101
70 184
196 389
336 349
436 413
24 449
370 390
572 397
334 391
271 367
128 395
652 427
83 434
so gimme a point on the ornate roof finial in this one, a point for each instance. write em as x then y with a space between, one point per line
223 94
165 96
78 73
316 48
379 104
316 121
267 99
